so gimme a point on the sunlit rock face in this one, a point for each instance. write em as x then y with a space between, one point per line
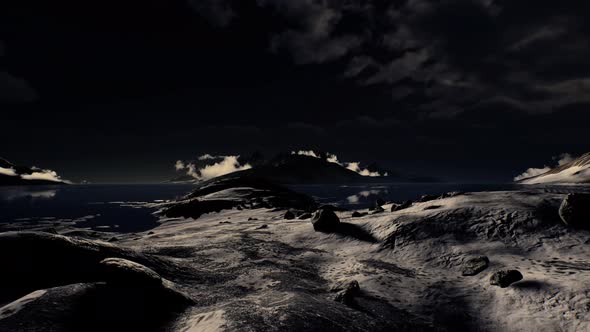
572 172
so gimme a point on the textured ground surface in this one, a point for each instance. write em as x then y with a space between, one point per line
252 270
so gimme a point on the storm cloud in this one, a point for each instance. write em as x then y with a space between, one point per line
440 57
449 85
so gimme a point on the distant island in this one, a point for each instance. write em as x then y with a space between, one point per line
16 175
297 167
569 171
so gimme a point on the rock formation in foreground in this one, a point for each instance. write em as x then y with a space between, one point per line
239 192
488 261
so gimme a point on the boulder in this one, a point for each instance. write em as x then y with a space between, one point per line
451 194
404 205
379 202
136 278
325 220
575 210
41 260
427 198
125 272
377 209
475 265
346 292
357 214
505 278
289 215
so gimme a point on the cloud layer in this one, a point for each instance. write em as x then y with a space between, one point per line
437 57
42 174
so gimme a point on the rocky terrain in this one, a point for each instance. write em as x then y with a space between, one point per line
244 255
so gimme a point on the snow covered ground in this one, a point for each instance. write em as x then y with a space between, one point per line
252 270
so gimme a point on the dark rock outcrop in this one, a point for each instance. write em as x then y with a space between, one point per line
505 278
289 215
475 265
451 194
228 192
427 198
377 209
575 210
346 291
357 214
304 216
119 271
404 205
134 277
40 260
325 220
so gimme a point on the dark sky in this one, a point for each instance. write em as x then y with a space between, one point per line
117 90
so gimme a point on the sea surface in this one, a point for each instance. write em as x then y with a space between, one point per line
122 208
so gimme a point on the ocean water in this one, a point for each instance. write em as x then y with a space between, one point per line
122 208
118 208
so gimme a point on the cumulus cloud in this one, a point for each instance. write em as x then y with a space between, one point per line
206 156
229 164
42 174
7 171
529 173
332 158
355 167
211 166
309 153
564 158
179 165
